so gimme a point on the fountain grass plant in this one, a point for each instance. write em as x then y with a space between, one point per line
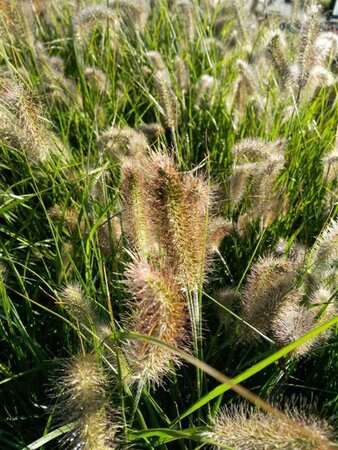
168 226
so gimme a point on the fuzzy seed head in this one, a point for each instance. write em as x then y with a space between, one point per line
240 181
137 214
132 12
158 310
218 228
181 203
254 150
167 99
244 428
91 17
276 50
182 73
153 131
187 16
325 250
84 399
97 78
206 90
77 304
124 142
270 279
308 36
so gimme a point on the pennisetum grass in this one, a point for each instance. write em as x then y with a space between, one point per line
117 120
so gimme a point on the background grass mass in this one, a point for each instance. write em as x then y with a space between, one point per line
168 222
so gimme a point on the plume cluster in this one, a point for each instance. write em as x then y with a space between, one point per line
166 217
279 304
256 169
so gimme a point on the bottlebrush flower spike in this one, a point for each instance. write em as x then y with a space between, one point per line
276 50
254 150
244 428
133 12
270 279
325 250
167 98
153 131
88 18
308 36
180 212
137 213
124 142
158 310
78 305
84 403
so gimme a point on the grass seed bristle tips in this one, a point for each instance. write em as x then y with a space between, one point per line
22 121
83 401
158 310
243 428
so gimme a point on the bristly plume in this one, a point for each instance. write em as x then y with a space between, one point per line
22 123
69 217
158 310
137 214
326 48
96 78
253 150
180 212
270 279
167 99
294 319
318 78
84 402
276 51
244 428
153 131
132 12
308 36
157 62
240 180
218 228
325 250
187 17
206 89
182 73
92 16
124 142
330 169
78 306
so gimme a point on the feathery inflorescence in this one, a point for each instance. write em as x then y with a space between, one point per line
158 310
244 428
83 401
22 125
